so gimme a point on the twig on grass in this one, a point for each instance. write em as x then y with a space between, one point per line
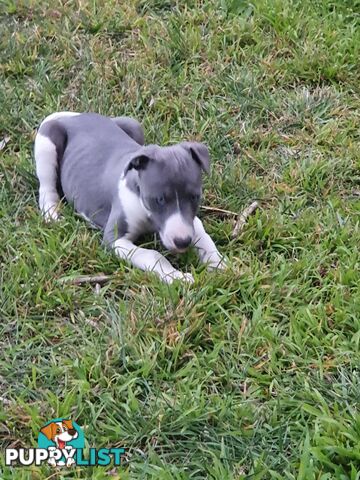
218 210
241 221
82 279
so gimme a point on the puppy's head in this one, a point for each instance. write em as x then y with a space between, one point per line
170 187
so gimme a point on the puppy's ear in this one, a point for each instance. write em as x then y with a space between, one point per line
137 163
199 153
48 431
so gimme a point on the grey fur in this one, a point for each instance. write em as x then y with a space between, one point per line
132 127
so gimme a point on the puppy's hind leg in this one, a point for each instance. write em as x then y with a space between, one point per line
50 142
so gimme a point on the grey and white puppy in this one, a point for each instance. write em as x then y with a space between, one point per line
103 168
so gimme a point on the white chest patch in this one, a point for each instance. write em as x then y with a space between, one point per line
137 217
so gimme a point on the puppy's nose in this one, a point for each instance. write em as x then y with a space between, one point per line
72 431
182 243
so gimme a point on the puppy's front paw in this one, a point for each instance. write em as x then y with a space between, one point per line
177 275
222 265
216 262
188 278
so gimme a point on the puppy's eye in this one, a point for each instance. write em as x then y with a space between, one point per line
160 200
58 430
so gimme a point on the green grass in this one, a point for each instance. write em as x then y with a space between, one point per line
252 373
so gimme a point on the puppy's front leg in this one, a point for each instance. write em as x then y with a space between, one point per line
151 260
206 248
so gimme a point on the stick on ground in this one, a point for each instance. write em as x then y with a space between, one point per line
81 279
221 211
241 221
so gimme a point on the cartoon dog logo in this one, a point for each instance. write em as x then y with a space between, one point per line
60 433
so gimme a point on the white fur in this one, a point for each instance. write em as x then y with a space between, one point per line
137 217
175 227
206 248
46 170
151 260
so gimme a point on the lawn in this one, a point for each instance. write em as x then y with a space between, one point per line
252 373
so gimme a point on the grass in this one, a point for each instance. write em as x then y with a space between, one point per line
248 374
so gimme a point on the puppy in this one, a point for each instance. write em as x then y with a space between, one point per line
102 166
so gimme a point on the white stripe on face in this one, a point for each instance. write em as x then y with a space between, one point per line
175 227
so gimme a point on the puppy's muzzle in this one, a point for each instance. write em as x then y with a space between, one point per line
182 243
